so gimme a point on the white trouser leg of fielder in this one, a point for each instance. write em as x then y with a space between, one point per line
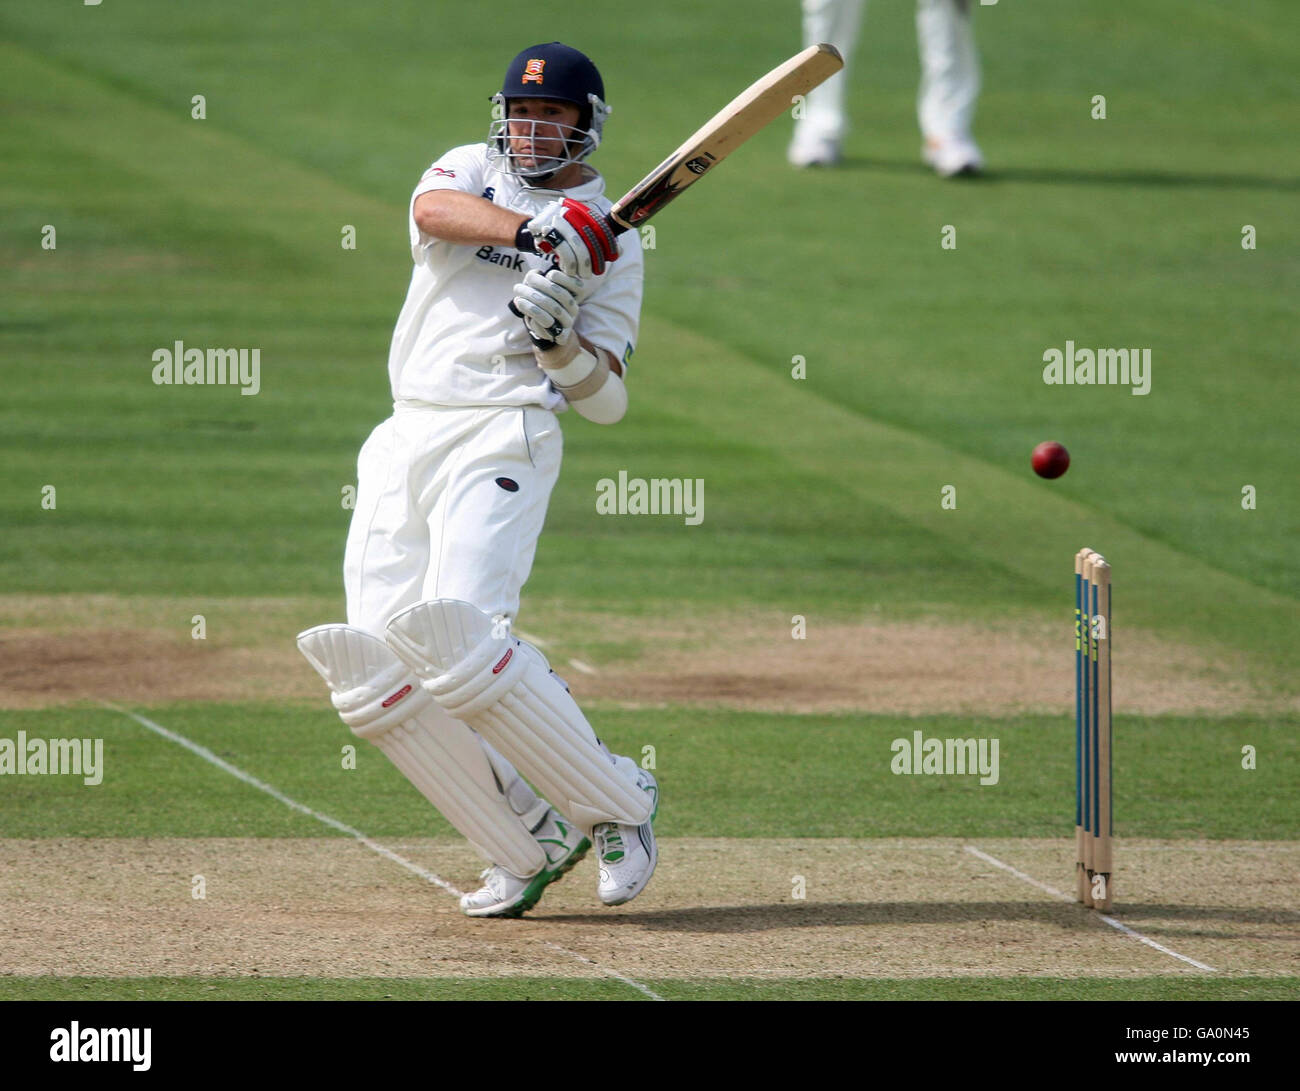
819 133
505 690
950 83
476 790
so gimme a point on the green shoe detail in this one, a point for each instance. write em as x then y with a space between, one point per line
579 851
532 893
612 846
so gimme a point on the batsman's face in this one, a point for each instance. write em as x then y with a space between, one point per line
538 129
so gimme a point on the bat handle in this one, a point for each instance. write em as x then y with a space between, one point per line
616 225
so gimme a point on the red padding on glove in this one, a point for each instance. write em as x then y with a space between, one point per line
596 232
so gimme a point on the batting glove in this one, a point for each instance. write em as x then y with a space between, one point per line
580 238
548 304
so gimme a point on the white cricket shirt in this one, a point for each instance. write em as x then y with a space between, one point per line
456 342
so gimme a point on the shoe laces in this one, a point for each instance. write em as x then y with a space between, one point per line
610 841
492 880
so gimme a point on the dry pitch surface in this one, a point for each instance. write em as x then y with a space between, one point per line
720 908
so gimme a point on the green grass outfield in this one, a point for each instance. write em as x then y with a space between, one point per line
822 495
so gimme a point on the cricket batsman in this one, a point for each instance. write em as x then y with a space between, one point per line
522 305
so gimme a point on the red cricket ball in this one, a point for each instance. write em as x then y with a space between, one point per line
1050 459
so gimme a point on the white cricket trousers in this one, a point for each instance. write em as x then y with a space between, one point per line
950 73
450 503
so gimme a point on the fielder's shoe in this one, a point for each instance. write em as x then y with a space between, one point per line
627 854
821 152
505 894
954 156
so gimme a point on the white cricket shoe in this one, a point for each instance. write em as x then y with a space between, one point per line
818 152
958 155
504 894
627 854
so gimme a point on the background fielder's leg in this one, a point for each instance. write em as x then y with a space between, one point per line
820 132
950 83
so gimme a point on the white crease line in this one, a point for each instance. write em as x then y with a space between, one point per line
617 976
1101 916
1152 943
537 642
1019 874
275 793
577 665
342 827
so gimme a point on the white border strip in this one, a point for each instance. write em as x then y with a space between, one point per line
1101 916
370 843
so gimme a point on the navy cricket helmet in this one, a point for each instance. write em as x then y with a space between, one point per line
549 71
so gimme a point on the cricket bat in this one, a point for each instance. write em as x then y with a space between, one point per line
753 109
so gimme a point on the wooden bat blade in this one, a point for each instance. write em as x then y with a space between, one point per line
752 110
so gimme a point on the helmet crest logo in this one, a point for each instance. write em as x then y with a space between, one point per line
533 71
